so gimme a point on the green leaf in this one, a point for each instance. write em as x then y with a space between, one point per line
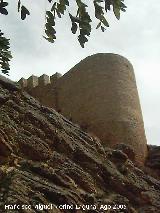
98 1
122 5
80 4
98 25
58 13
61 8
54 6
19 5
73 18
66 2
74 28
51 40
116 11
98 10
3 11
103 29
105 22
82 40
85 28
24 12
50 31
50 18
108 4
3 4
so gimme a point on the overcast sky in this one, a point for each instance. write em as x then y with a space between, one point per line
136 36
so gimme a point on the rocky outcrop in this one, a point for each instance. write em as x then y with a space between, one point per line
48 163
153 160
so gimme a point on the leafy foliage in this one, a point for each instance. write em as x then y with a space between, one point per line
80 23
3 10
5 54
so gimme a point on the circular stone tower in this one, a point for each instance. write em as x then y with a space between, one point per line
101 93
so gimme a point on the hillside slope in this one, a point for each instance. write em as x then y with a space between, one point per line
48 163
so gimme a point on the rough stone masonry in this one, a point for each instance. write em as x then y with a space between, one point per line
100 94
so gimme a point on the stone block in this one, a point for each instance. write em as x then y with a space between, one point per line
43 80
23 82
32 81
54 78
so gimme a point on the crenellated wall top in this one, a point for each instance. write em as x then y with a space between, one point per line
43 80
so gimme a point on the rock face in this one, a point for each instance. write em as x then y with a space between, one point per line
47 162
100 94
153 159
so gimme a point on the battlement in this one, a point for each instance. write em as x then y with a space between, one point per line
34 81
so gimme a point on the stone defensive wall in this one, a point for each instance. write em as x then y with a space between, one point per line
100 94
43 88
